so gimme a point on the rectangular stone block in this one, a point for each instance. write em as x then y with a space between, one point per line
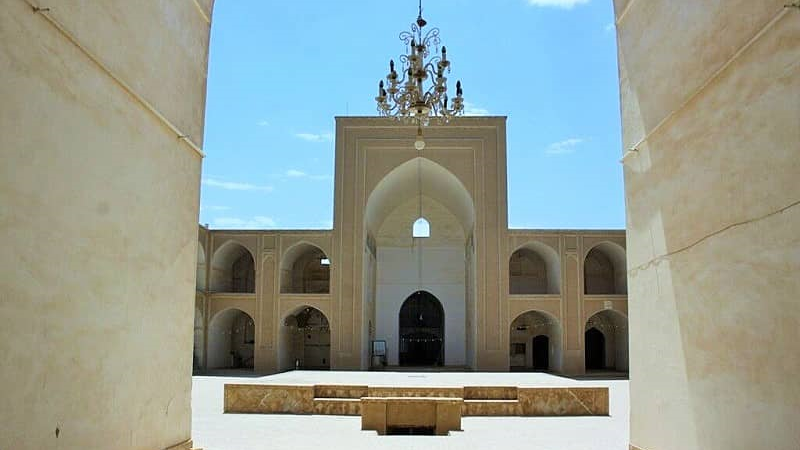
563 401
268 399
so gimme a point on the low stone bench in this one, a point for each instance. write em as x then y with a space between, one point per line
382 414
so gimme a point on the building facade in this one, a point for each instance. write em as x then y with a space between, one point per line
421 260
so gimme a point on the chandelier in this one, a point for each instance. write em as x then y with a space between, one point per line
410 97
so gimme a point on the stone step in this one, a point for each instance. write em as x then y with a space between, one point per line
491 408
337 406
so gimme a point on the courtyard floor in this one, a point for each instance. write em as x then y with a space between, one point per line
213 430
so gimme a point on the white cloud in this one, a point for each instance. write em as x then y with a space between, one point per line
235 186
470 109
564 4
294 173
610 27
257 222
313 137
263 123
563 147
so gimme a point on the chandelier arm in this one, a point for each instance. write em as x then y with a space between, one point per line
431 38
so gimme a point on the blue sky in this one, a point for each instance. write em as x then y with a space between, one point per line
280 71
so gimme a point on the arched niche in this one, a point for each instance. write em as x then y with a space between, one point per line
605 271
526 337
233 269
305 269
304 340
231 340
200 280
534 268
606 342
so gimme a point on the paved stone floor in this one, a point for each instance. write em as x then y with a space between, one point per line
213 430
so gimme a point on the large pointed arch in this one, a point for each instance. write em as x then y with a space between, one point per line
403 183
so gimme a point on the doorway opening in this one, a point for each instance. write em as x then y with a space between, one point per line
595 349
421 331
541 353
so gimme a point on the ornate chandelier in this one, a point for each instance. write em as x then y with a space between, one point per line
407 97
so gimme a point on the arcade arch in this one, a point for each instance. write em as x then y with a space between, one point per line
305 269
604 270
304 340
606 342
534 268
535 343
231 340
233 269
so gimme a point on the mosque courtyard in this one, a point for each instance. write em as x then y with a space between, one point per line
215 430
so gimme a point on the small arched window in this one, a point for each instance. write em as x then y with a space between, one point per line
421 228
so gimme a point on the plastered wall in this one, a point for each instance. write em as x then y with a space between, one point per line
711 105
101 120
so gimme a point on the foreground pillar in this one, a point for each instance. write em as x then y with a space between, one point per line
101 121
711 112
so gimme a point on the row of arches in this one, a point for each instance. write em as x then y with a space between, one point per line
536 269
536 342
304 340
304 269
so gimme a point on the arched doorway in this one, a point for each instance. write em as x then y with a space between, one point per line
595 349
421 331
535 343
305 340
606 342
541 352
231 340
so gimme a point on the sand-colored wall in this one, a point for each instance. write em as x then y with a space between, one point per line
711 102
98 221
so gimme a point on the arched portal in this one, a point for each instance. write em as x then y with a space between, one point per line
305 269
305 341
401 258
231 340
421 331
233 269
535 339
606 342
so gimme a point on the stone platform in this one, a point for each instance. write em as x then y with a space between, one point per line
341 393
